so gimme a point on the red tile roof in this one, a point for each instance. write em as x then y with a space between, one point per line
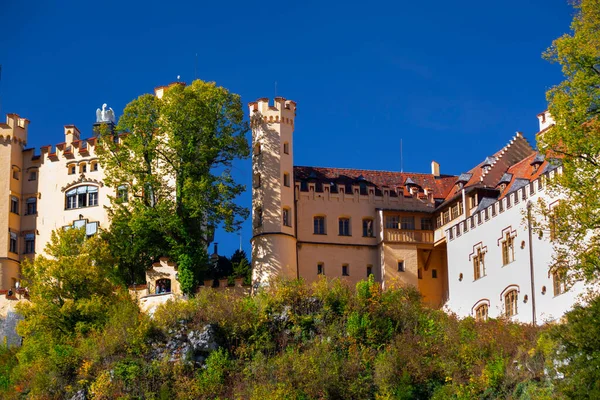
440 186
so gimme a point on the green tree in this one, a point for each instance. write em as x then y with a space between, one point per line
241 266
575 138
174 157
70 288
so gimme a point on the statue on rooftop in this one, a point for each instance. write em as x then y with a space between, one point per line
105 115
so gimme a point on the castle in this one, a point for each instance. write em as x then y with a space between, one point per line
461 240
60 188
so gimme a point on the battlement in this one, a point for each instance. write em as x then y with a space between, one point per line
394 198
15 128
280 111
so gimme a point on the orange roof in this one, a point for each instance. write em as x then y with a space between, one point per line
439 186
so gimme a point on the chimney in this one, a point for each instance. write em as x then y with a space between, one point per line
435 169
71 134
545 120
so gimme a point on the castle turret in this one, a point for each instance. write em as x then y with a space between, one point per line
273 212
13 139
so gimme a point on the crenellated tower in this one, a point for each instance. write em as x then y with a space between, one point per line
274 252
13 139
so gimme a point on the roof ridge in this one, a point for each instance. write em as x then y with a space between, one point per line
370 170
503 151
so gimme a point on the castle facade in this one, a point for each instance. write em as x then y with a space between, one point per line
463 241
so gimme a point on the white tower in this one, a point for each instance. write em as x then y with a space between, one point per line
274 252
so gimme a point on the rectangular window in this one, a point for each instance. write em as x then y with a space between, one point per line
72 170
320 269
445 217
286 148
286 179
83 168
541 183
319 225
13 243
493 210
287 219
478 265
419 273
508 205
392 222
31 205
516 197
345 270
559 282
14 205
95 166
501 205
256 180
344 224
369 270
434 273
93 196
33 175
426 224
258 217
457 229
400 266
368 227
523 194
531 188
29 243
454 211
465 226
472 219
451 233
407 223
15 173
122 194
438 221
508 250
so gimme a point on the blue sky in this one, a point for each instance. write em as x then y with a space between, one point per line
453 80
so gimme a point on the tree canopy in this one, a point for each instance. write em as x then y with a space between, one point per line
575 139
171 157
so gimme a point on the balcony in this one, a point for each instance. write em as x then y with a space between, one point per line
407 236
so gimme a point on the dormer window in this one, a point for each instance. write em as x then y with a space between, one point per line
537 162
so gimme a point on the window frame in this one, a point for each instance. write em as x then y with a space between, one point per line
511 303
14 205
345 270
320 222
401 266
286 217
13 242
31 206
344 226
368 227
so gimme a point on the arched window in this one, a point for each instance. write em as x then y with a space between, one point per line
559 281
510 302
481 312
163 286
478 264
81 196
122 194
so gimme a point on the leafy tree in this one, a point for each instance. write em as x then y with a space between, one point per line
72 289
69 288
575 138
174 157
241 266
